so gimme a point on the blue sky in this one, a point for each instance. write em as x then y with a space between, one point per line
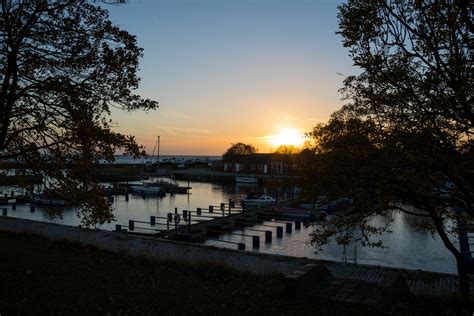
230 71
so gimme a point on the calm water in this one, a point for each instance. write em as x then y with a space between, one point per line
407 246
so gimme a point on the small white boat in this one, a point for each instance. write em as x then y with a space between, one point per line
41 199
254 200
300 212
147 190
245 180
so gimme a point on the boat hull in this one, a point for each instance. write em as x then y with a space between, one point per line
144 190
245 180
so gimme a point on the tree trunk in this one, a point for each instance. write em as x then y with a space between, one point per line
464 286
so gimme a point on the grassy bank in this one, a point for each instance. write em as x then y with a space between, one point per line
38 276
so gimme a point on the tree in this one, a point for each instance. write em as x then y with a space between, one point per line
63 67
287 149
403 140
238 149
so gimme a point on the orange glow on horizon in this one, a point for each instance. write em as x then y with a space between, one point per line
286 136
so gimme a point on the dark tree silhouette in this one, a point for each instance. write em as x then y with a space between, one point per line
403 141
63 67
238 149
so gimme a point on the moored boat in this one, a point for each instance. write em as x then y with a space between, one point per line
245 180
42 199
147 190
257 200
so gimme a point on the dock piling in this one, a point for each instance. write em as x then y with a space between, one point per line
289 228
131 224
279 231
211 209
297 224
189 222
152 220
268 236
198 211
256 241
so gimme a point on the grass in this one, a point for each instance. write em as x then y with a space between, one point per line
38 276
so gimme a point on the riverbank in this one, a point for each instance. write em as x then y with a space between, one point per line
44 277
324 280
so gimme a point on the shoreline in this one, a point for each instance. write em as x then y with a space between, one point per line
418 282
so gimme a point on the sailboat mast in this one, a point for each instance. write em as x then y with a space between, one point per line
158 153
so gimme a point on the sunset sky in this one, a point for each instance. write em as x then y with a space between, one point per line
233 71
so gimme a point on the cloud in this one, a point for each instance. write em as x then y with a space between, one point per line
185 131
179 116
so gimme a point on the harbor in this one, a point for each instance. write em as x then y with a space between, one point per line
406 247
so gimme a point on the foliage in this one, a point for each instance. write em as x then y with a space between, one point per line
64 67
287 149
238 149
403 140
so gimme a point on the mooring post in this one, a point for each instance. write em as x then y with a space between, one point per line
297 224
198 211
131 224
13 193
118 228
279 231
126 197
14 206
170 219
242 203
189 222
268 236
230 206
256 241
4 211
211 209
355 253
222 206
32 208
289 228
176 220
241 246
152 220
185 215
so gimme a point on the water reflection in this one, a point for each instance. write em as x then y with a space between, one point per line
407 246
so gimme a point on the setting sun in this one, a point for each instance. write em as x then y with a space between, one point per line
286 136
